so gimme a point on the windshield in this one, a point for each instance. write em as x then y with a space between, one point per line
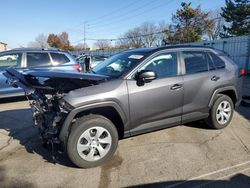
119 64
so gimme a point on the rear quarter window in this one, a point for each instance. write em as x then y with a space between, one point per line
218 62
59 59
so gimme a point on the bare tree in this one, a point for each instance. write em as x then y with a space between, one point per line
81 46
40 42
217 26
122 43
163 29
64 38
102 44
134 38
149 33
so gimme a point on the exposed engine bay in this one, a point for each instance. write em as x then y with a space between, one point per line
45 92
48 116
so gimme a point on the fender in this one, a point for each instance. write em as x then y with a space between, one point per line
219 90
66 125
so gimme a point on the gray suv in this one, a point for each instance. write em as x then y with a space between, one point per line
24 59
133 92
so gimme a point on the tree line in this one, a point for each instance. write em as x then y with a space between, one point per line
189 24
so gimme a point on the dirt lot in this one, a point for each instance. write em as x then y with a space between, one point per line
184 156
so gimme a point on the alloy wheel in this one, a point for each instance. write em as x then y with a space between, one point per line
223 112
94 143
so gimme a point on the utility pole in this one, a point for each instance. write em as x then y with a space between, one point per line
84 39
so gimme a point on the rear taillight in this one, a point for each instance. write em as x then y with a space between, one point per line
78 67
242 72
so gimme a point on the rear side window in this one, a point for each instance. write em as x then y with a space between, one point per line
218 62
59 59
195 61
36 59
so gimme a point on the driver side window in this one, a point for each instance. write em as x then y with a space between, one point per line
165 65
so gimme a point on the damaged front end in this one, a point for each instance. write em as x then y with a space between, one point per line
49 114
45 92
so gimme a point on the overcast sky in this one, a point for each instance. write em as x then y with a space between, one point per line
22 20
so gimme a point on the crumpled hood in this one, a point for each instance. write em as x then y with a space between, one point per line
52 81
57 74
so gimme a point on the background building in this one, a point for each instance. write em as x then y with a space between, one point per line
3 46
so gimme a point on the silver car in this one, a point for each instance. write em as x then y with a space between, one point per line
33 59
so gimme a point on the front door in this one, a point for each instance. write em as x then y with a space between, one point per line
156 104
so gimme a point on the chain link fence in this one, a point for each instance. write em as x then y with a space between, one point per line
237 47
107 53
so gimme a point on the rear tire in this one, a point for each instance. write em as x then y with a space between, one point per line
221 112
92 141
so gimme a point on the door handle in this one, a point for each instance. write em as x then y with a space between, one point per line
215 78
176 87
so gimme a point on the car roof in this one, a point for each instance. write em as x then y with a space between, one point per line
34 49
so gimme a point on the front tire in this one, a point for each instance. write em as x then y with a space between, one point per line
221 112
93 141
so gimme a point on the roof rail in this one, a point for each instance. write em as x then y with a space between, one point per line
34 49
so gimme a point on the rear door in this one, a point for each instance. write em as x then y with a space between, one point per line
37 60
198 84
9 60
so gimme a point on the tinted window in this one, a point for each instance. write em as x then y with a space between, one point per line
164 65
195 62
59 59
217 61
37 59
10 60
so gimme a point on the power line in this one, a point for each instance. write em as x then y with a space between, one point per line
121 38
139 14
132 16
123 15
113 11
114 26
133 37
107 14
146 11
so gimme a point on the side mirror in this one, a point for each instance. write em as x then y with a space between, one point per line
145 76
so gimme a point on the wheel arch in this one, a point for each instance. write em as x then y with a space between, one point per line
230 91
110 110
